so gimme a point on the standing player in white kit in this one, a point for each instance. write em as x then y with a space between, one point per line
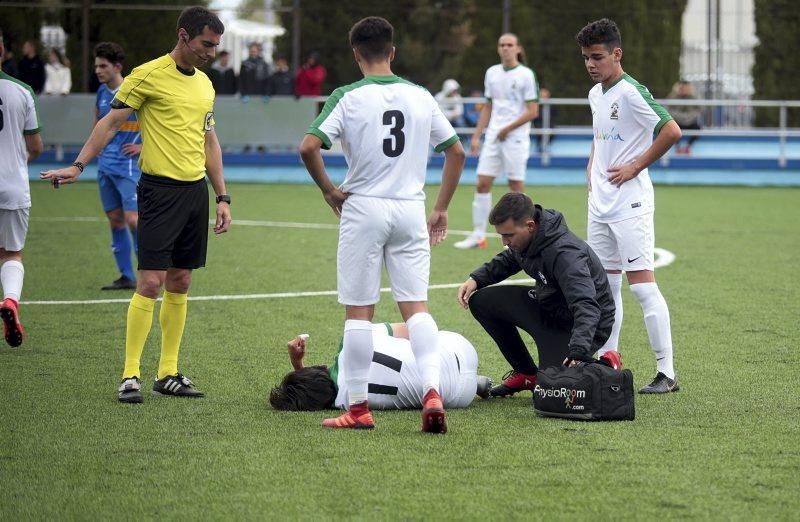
511 103
20 142
621 203
386 126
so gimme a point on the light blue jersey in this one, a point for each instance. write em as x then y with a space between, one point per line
112 160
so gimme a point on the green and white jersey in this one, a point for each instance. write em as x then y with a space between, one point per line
386 126
17 118
510 91
624 119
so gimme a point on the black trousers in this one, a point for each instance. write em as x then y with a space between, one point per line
501 309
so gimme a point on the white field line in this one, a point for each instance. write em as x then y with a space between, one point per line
663 258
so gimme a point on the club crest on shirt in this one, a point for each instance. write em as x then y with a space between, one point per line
209 117
614 111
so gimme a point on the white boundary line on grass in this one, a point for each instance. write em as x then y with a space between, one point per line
663 258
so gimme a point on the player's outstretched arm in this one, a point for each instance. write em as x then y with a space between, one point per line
214 172
668 136
454 158
102 133
310 152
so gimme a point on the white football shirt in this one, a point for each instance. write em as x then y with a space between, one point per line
624 118
394 379
510 91
17 118
386 126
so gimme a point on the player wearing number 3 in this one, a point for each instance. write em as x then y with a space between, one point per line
386 126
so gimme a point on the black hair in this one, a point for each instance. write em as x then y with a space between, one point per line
373 38
194 19
603 31
110 51
307 389
516 206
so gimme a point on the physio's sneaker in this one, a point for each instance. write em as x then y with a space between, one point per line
613 359
661 384
130 390
176 386
123 283
513 382
433 416
357 418
484 386
471 241
11 325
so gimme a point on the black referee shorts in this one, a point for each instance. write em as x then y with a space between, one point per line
173 223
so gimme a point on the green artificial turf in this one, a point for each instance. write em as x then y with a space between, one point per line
724 447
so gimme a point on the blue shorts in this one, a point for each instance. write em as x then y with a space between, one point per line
118 191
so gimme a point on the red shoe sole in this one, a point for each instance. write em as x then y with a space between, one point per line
13 330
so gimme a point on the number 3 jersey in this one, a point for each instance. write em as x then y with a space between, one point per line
395 381
386 126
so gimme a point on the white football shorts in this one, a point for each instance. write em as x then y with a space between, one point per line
509 157
459 370
13 228
626 245
377 231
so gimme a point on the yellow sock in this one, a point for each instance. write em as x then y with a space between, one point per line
140 318
173 319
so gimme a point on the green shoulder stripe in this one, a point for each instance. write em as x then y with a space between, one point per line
662 113
389 329
38 129
333 371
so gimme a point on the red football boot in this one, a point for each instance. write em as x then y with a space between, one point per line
11 324
513 382
433 416
613 359
358 417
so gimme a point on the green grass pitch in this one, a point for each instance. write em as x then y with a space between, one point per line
724 447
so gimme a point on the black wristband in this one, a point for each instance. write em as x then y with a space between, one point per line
80 165
224 197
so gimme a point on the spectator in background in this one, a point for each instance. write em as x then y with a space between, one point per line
58 78
222 76
9 66
280 82
686 116
308 81
450 103
253 74
472 110
539 121
31 67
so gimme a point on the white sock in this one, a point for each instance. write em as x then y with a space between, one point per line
11 275
357 356
612 344
424 336
656 320
481 207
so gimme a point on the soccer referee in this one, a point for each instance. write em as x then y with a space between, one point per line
174 103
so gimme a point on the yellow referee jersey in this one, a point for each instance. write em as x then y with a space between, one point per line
174 110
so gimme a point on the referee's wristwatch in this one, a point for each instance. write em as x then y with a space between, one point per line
224 198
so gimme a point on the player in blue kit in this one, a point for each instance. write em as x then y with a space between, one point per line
118 171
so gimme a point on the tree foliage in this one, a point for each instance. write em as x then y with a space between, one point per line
144 34
20 24
776 58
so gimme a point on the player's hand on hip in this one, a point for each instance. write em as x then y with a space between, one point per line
61 176
465 290
619 174
503 134
223 218
437 227
336 198
132 149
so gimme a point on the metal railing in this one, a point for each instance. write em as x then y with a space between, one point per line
782 132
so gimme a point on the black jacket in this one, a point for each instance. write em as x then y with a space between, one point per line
31 71
571 284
